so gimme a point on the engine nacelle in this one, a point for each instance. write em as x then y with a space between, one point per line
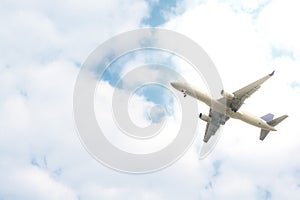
204 117
227 95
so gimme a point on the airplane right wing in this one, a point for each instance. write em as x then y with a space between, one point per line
212 127
242 94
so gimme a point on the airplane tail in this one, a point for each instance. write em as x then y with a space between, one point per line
272 122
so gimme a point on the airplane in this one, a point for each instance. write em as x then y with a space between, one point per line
232 103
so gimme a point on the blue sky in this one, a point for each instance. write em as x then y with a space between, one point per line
42 44
158 11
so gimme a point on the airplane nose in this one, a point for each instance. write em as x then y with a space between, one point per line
175 85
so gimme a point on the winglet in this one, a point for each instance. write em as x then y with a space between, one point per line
272 73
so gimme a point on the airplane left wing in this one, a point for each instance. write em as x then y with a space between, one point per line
242 94
212 127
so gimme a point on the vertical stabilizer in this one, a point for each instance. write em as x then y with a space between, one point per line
268 117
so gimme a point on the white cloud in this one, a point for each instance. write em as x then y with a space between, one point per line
42 31
38 42
34 183
278 25
138 108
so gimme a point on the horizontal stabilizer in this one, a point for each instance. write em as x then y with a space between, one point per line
272 122
276 121
263 134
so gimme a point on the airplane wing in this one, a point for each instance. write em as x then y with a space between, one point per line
212 127
242 94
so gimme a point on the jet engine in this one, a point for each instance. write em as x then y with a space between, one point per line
204 117
227 95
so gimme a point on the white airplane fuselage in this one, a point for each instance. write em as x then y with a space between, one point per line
209 101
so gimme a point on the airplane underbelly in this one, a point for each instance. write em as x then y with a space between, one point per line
248 118
203 97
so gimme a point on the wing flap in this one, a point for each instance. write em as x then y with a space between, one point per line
212 127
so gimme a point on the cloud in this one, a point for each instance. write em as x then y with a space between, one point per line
281 30
33 183
42 47
41 32
139 110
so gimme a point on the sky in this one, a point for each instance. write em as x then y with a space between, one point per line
44 43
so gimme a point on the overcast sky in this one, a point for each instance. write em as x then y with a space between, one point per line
44 43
